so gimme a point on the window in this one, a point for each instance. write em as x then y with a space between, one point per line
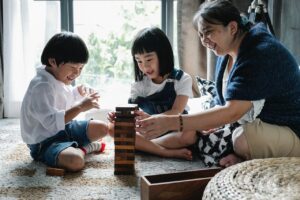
108 28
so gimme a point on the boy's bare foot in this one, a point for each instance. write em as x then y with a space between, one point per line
178 153
229 160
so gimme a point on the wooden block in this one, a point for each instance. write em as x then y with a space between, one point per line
176 186
124 172
131 147
127 107
124 143
123 139
124 166
126 151
125 131
120 124
124 169
50 171
123 162
121 134
124 157
125 114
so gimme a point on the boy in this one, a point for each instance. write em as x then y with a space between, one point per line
51 103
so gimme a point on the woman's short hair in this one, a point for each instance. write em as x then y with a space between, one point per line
220 12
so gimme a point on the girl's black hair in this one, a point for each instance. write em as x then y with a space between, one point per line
149 40
220 12
65 47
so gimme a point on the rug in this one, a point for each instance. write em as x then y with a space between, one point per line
23 178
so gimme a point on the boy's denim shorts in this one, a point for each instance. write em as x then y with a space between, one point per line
47 151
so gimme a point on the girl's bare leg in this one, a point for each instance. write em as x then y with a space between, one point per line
175 140
152 147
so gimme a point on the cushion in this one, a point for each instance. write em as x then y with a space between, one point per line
207 91
206 87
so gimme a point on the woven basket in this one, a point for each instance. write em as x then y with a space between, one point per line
271 178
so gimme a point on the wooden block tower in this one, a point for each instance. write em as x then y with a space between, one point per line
125 139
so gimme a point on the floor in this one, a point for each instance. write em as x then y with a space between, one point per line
23 178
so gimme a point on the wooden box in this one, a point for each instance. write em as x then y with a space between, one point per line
176 186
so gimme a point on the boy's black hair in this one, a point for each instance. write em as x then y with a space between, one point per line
65 47
149 40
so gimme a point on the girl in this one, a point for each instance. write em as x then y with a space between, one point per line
159 88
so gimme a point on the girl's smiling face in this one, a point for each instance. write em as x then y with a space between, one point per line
148 63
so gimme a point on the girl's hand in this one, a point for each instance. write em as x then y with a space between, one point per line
89 102
84 90
111 116
153 126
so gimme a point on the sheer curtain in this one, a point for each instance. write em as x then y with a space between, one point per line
26 27
285 18
1 60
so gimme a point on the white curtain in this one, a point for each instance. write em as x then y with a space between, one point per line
25 31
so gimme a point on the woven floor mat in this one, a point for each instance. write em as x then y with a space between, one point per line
272 178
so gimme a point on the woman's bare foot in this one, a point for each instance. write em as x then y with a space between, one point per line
178 153
229 160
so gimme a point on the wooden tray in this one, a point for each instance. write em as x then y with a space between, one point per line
176 186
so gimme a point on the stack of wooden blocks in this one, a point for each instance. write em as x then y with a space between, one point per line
125 139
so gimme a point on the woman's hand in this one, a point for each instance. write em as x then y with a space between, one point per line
153 126
140 114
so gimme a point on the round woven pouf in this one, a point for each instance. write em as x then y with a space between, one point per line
271 178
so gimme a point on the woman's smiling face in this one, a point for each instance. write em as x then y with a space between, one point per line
216 37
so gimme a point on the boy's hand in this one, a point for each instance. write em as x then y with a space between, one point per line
89 102
84 91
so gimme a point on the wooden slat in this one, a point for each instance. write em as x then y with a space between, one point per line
131 147
122 162
122 139
117 124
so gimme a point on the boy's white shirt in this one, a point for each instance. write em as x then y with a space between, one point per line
44 105
146 87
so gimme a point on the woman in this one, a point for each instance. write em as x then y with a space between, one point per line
253 73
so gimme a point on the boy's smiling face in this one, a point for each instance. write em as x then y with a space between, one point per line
65 72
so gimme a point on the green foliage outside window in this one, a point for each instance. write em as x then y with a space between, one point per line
110 57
